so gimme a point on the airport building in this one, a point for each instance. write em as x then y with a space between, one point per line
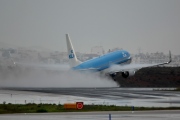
56 57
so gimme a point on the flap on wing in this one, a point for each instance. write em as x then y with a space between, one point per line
89 69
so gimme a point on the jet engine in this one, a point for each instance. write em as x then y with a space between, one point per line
128 73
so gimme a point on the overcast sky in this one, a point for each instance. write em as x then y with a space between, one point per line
152 25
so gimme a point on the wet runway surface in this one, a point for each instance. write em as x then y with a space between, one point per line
115 115
147 97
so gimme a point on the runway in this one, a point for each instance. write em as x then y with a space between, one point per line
146 97
115 115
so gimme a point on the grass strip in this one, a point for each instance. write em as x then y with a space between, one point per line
43 108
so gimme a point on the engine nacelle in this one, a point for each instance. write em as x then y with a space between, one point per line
128 73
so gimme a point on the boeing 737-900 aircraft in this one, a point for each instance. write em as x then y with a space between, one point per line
109 64
118 60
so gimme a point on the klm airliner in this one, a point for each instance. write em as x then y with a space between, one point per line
110 63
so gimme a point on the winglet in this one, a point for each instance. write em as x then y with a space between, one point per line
14 63
170 59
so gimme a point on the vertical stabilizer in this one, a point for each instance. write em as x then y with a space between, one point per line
71 53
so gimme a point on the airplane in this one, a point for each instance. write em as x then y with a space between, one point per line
110 63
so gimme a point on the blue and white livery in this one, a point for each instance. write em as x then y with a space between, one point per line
105 62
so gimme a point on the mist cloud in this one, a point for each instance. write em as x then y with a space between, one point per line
42 76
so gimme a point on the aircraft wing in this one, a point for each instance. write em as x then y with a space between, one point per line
134 67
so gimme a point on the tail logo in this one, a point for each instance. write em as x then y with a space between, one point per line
71 55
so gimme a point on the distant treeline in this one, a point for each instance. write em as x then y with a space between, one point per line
152 77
